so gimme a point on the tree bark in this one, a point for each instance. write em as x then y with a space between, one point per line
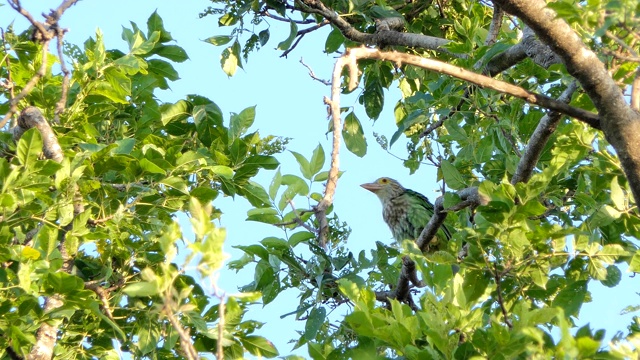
619 122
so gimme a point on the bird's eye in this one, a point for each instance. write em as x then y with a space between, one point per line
384 180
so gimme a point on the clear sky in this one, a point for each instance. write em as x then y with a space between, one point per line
289 103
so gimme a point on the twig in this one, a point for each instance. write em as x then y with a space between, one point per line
61 104
221 310
103 295
297 220
185 340
496 24
313 75
498 277
13 107
279 18
45 33
301 34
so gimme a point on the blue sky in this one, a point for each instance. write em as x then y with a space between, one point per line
289 103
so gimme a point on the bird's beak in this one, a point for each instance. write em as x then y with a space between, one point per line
373 187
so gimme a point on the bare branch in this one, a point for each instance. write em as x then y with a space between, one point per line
496 24
313 74
539 138
401 292
301 34
470 198
635 91
480 80
349 61
185 339
30 84
380 38
61 104
32 117
497 275
44 32
529 46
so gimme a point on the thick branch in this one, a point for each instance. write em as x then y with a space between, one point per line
619 122
539 138
334 109
470 198
380 38
480 80
32 117
408 276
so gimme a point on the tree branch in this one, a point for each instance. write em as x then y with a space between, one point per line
497 275
32 117
380 38
470 198
334 109
480 80
401 292
539 138
619 122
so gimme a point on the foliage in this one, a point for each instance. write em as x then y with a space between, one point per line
533 249
134 162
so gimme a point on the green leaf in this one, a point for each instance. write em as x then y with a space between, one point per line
171 52
317 160
124 147
150 167
141 289
603 217
264 161
634 264
240 123
452 176
315 320
263 36
571 297
259 346
29 147
275 185
354 136
144 47
617 195
415 117
299 237
230 59
155 23
219 40
163 69
255 193
334 41
613 276
293 32
175 112
305 166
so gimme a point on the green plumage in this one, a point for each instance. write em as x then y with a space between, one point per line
405 211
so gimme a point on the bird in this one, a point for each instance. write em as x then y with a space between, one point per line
406 212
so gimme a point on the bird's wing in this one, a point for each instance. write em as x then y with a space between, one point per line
421 212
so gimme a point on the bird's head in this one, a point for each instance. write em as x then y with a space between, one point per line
385 188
